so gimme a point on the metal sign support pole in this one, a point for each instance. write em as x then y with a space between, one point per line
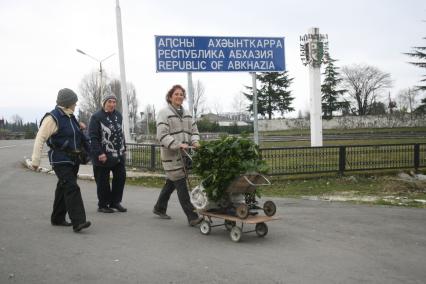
255 124
190 94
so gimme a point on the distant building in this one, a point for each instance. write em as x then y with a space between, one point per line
237 116
228 118
231 123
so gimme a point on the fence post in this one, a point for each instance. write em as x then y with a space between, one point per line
152 165
342 159
416 157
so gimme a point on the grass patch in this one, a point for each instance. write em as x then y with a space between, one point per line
377 141
380 190
387 189
157 182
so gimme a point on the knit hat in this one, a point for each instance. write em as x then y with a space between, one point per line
106 97
66 98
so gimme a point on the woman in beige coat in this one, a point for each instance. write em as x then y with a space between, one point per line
176 131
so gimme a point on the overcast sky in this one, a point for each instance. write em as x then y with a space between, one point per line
39 41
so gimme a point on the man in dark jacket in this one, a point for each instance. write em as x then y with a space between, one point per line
108 154
62 133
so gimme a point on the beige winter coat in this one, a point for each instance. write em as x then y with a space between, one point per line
173 130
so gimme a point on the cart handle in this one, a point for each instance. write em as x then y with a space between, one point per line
186 153
257 184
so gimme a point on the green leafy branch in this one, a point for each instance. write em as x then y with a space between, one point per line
219 162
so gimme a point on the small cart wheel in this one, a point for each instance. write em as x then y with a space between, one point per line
236 234
261 229
269 208
242 211
205 227
229 225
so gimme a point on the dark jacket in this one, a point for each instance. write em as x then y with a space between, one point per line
66 144
107 137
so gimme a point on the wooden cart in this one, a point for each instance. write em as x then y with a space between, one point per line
235 225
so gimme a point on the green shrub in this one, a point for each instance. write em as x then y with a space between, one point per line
204 125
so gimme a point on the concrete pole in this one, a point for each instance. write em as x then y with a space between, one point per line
255 122
315 93
315 105
122 75
190 94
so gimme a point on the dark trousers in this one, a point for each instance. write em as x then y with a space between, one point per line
67 196
110 194
183 195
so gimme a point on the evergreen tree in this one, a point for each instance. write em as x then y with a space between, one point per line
273 94
421 109
377 108
419 52
330 94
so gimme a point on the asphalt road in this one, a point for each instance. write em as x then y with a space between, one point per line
314 242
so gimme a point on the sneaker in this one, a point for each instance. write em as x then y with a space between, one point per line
118 207
161 214
81 226
105 210
195 221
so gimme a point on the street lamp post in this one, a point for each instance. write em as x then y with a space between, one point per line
122 73
100 67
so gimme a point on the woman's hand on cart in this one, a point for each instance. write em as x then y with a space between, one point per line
185 146
196 145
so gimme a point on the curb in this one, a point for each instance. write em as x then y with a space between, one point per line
133 173
27 163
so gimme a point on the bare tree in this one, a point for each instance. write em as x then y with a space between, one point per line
91 93
364 84
199 99
150 110
133 104
217 107
148 119
239 104
407 99
115 88
17 119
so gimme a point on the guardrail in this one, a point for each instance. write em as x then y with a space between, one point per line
308 160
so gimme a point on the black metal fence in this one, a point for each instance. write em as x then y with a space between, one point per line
308 160
144 156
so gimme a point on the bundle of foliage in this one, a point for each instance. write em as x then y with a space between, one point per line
219 162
